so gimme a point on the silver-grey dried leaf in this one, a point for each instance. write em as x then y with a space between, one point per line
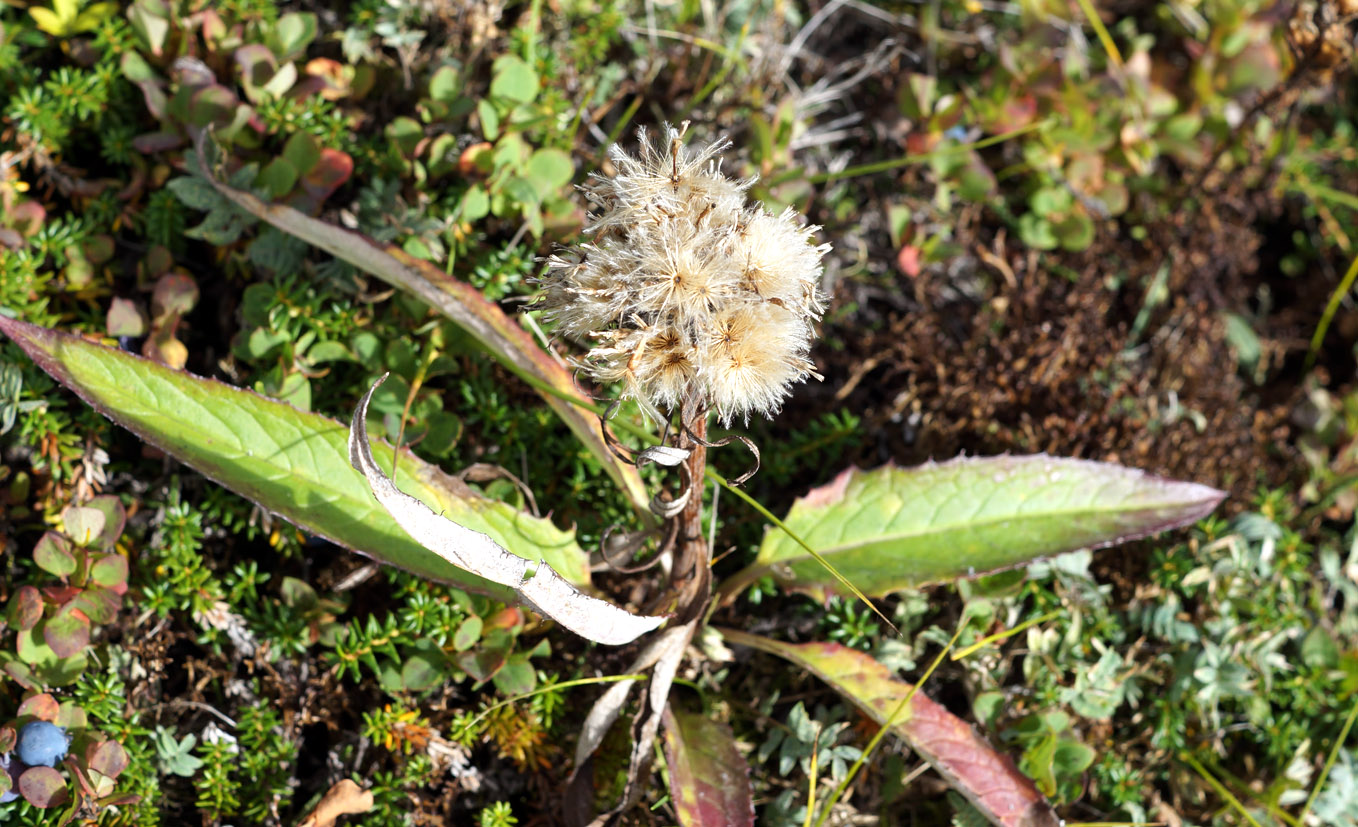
539 586
666 455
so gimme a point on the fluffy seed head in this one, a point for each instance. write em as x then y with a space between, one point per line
687 293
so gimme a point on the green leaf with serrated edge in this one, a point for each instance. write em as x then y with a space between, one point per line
461 302
896 528
293 463
987 778
709 779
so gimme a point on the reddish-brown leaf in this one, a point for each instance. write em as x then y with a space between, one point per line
43 787
110 571
43 707
107 757
25 607
987 778
709 779
67 633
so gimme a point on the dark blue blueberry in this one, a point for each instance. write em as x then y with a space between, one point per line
42 744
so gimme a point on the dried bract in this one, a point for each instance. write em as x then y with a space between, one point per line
686 292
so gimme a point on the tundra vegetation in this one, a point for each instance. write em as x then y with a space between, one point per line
603 412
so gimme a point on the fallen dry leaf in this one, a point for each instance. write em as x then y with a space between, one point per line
345 798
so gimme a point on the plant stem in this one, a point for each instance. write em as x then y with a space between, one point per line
692 574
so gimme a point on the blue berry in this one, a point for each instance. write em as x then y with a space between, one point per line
42 744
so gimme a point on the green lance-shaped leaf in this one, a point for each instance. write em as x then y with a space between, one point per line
895 528
293 463
709 779
988 779
461 302
538 586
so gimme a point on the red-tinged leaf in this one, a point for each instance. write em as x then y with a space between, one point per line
115 519
110 571
21 674
60 595
908 259
175 294
212 104
257 65
507 618
99 248
53 554
461 302
25 608
302 151
988 779
709 779
481 665
335 77
27 217
98 603
42 707
328 174
43 787
107 757
83 525
157 262
68 633
8 737
896 528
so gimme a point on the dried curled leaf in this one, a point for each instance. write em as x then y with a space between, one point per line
344 798
539 585
665 652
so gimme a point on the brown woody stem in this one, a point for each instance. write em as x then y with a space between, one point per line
692 574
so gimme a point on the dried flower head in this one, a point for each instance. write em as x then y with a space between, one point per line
686 292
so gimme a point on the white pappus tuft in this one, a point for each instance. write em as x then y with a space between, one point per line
685 292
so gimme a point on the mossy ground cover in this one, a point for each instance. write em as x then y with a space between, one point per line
1114 231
